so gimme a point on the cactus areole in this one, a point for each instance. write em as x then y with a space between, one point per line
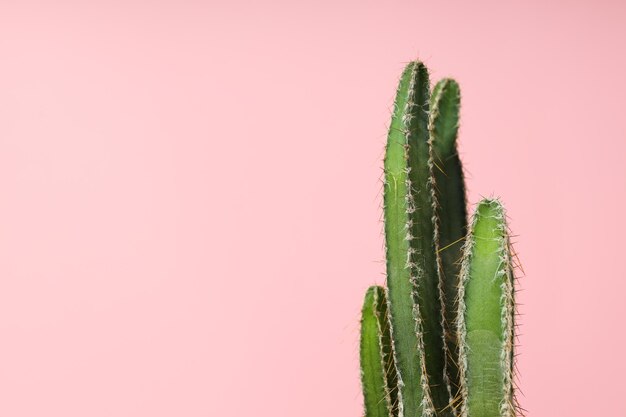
438 340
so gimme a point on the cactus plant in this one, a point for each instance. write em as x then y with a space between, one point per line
438 340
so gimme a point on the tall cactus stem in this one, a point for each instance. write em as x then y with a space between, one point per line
407 124
422 254
397 248
450 219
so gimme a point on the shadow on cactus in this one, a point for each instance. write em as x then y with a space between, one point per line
439 339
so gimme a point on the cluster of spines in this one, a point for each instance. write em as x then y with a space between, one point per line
420 334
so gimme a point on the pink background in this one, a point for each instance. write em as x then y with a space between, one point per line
191 196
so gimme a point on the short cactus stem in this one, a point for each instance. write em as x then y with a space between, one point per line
377 368
486 316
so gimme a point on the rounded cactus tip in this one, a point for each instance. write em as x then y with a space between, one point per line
449 83
490 207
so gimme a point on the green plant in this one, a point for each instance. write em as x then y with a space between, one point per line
439 339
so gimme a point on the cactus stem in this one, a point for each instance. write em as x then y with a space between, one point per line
486 339
449 218
378 373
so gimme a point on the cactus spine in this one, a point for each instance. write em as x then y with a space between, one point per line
431 343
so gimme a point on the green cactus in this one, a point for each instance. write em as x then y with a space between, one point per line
438 341
378 374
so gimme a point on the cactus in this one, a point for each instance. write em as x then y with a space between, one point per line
438 341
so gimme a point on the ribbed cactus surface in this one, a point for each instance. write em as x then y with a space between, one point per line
438 340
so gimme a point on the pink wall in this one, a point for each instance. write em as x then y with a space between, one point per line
191 196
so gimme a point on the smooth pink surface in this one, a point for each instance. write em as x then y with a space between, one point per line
191 196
